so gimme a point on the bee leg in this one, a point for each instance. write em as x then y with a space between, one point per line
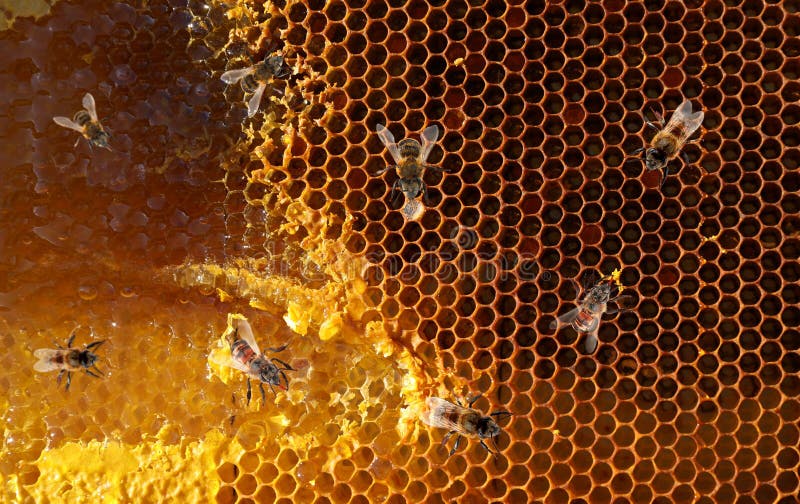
72 338
381 172
425 198
285 379
637 151
89 372
60 375
94 344
395 191
447 436
664 178
264 394
660 118
652 126
496 413
436 168
287 366
472 401
685 158
279 349
487 447
455 446
69 379
249 392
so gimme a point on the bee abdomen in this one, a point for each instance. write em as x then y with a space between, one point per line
242 352
82 118
250 83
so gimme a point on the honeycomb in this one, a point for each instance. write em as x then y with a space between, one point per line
198 213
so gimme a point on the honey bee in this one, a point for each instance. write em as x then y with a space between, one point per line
255 79
586 317
68 360
247 358
86 123
666 145
410 157
462 421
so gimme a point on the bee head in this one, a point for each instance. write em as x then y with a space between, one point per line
101 140
409 148
600 293
487 427
267 373
274 64
87 358
655 159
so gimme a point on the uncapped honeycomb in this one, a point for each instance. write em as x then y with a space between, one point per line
198 213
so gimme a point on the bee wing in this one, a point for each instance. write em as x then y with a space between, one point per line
89 105
246 333
438 413
68 123
46 357
234 76
225 359
429 137
388 140
685 121
255 100
412 209
565 319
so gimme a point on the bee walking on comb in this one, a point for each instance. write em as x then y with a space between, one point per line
87 124
462 421
246 357
68 360
410 157
254 79
670 138
585 319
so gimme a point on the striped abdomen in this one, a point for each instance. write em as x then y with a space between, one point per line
586 321
242 352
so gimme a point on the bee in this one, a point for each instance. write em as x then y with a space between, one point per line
87 124
68 360
585 319
666 145
461 421
254 79
410 157
247 358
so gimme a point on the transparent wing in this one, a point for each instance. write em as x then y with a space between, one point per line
89 105
388 140
45 362
233 76
565 319
591 342
225 359
68 123
412 209
437 413
429 137
246 333
255 100
684 122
